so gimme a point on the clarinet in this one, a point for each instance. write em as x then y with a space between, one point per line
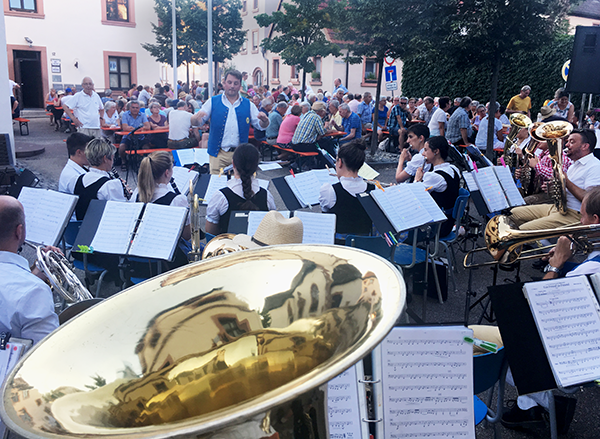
174 186
127 192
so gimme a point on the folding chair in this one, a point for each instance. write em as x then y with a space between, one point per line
489 369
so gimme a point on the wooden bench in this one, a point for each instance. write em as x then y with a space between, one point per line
23 123
145 151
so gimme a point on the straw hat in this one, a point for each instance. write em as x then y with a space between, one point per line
318 105
547 112
274 229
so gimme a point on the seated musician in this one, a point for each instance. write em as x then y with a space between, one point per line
77 163
443 182
340 198
130 120
417 137
27 305
582 175
242 192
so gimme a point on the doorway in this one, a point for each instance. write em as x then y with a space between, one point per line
28 74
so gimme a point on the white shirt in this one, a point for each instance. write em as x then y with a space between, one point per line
86 108
231 136
111 190
11 86
435 180
26 304
352 185
417 161
583 173
586 267
161 190
69 176
218 204
179 124
144 96
353 104
112 121
434 123
481 139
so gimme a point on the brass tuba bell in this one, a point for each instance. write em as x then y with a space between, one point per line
518 121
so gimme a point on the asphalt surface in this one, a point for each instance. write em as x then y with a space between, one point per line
586 423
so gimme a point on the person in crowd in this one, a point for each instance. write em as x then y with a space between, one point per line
304 107
397 122
27 304
337 86
145 95
438 122
341 198
111 115
365 111
311 130
352 102
288 126
412 108
130 120
157 121
85 109
266 107
382 117
444 179
407 163
520 103
335 118
455 105
77 163
428 109
459 125
235 115
482 133
275 120
57 110
339 95
591 121
244 85
131 90
161 96
473 110
256 101
50 104
351 124
564 108
180 124
480 113
242 192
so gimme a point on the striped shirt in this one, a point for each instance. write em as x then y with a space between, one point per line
309 128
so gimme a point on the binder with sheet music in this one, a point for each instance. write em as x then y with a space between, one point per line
319 228
182 178
207 185
135 229
495 186
303 189
47 214
190 156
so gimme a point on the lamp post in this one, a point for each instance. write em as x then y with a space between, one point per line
174 26
209 11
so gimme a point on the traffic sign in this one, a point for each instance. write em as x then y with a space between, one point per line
389 60
389 86
564 71
390 74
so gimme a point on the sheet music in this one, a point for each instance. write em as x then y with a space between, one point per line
201 156
508 184
490 189
46 214
566 314
367 172
190 156
401 207
116 227
158 232
255 217
427 201
470 181
344 402
427 383
305 186
325 176
182 177
270 166
216 183
264 183
319 228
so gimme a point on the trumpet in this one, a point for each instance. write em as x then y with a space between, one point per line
518 121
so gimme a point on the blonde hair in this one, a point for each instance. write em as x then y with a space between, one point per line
151 169
97 149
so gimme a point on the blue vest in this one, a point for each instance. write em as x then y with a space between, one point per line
218 118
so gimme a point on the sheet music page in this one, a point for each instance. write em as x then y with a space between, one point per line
425 198
427 382
46 214
185 156
344 398
566 314
401 207
201 156
255 217
470 181
325 176
490 189
305 186
508 184
319 228
367 172
159 231
270 166
182 177
116 227
216 183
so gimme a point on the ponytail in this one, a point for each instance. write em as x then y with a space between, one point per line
151 169
245 160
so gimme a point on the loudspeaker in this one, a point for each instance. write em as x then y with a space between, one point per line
585 61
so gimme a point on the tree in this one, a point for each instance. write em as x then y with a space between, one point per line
298 33
192 31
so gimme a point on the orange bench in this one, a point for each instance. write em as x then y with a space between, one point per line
23 123
145 151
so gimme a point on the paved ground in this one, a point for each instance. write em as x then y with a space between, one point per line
586 424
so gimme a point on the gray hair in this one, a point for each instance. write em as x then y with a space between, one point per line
367 93
305 104
282 105
181 104
335 103
109 104
266 101
526 87
319 96
133 101
97 149
155 104
107 92
344 107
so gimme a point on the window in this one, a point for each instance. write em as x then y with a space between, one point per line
244 7
119 72
25 394
316 73
255 6
255 41
276 70
23 5
231 327
245 44
117 10
294 73
257 77
370 70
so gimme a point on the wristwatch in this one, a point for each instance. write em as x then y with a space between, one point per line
552 269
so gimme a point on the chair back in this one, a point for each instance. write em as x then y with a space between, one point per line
486 370
71 232
461 204
373 244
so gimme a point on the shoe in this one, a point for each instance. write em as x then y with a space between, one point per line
565 409
515 418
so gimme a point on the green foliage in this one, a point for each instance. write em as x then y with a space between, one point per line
192 31
434 73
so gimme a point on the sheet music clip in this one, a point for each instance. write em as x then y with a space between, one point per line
372 421
4 338
369 381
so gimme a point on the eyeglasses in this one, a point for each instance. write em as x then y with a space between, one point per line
403 103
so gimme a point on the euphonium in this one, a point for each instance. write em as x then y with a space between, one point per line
554 134
529 153
234 343
518 121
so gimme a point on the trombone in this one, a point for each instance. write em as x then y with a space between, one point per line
505 242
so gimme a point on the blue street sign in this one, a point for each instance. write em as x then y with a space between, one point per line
390 74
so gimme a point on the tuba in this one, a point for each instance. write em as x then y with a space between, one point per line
554 134
518 121
235 346
529 153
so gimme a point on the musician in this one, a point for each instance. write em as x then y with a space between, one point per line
77 163
98 183
27 309
417 137
242 192
341 197
582 175
443 181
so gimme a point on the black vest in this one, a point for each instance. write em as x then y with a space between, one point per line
447 199
165 200
351 217
86 194
235 201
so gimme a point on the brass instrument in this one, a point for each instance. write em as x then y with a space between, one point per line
241 343
518 121
505 242
194 255
554 134
221 245
529 153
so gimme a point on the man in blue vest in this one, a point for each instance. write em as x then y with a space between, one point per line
230 118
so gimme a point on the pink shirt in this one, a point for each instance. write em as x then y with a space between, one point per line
287 128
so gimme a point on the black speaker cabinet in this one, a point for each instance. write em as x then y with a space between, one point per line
584 71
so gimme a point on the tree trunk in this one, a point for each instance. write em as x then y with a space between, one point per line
491 134
187 71
216 79
303 91
376 109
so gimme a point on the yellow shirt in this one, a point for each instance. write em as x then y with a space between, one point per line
518 104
